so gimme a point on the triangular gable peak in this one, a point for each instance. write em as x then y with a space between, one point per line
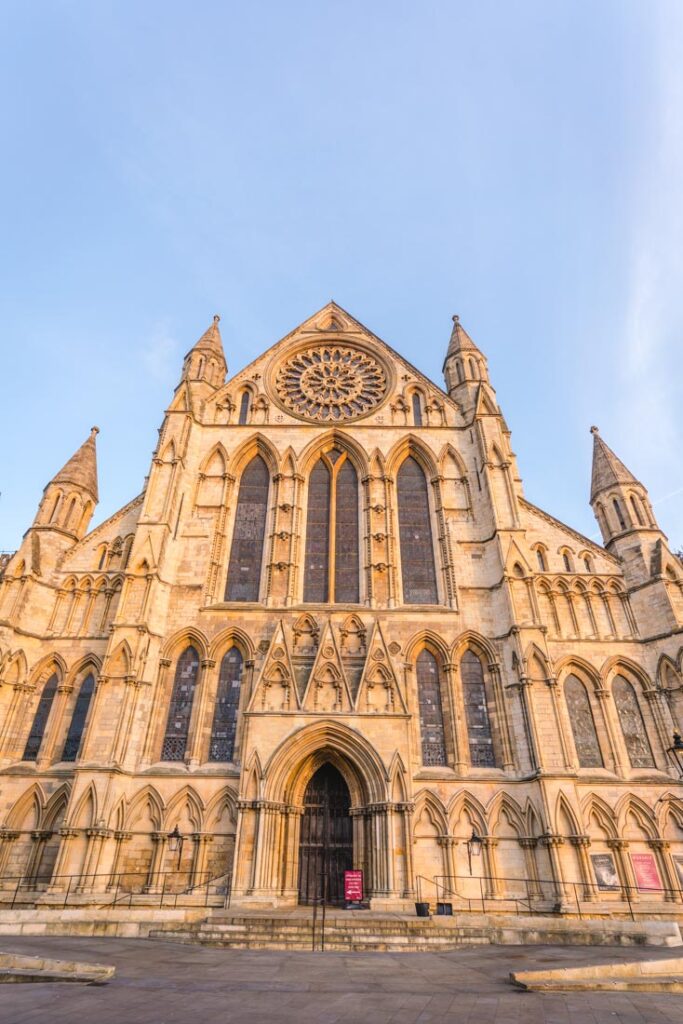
333 325
276 688
379 691
327 688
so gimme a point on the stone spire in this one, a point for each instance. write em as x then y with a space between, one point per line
465 366
81 469
608 471
206 359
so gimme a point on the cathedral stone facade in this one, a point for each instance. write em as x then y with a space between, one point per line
333 633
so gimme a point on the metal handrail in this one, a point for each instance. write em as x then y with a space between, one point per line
535 896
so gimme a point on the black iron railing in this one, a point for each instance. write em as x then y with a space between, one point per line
168 889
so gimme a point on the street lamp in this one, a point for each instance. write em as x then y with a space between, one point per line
676 752
175 842
474 844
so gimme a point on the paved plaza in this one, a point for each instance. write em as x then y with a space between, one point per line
169 983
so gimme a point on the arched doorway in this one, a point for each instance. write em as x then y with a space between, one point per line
326 839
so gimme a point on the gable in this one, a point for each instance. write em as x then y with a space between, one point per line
330 370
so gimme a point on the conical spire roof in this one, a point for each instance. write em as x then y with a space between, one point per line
211 340
608 470
460 339
81 469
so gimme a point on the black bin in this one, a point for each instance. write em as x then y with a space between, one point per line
422 909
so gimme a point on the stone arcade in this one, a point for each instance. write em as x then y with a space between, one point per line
332 618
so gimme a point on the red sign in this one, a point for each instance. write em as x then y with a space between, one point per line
353 886
645 869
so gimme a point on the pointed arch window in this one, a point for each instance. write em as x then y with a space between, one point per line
40 719
332 533
632 724
417 409
245 402
74 736
180 707
431 710
619 514
482 754
582 723
635 505
224 727
540 558
246 553
415 534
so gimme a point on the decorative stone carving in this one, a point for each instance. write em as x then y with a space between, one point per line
331 383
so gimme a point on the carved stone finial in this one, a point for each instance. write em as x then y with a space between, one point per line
94 431
455 318
216 318
594 430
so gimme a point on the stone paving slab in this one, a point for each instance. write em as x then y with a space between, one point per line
158 983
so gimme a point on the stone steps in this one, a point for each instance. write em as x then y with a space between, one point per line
394 932
628 976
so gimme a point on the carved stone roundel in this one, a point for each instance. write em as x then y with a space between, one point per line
330 383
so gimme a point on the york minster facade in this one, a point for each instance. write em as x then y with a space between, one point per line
333 633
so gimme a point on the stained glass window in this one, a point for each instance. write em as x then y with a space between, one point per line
346 542
78 719
431 711
224 728
582 723
180 708
332 534
415 532
476 712
316 578
35 737
632 724
246 555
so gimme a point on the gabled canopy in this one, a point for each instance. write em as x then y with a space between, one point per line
81 469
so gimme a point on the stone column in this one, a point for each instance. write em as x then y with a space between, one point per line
581 844
290 886
459 727
50 748
121 837
661 847
198 872
552 843
529 844
604 696
407 815
492 887
40 838
89 880
551 682
62 878
7 837
502 716
624 870
448 844
196 749
154 879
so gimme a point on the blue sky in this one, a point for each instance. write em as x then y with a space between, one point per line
519 163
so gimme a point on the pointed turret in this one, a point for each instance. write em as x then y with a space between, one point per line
81 469
206 361
465 365
70 497
620 502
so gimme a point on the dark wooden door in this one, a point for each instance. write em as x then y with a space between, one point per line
326 844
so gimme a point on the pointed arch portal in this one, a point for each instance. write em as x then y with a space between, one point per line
326 840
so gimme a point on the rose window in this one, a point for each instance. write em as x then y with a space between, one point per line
331 383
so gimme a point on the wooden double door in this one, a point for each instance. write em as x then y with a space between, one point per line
326 843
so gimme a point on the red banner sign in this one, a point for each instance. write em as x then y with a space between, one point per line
353 886
645 869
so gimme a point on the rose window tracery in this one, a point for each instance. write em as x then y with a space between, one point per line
330 383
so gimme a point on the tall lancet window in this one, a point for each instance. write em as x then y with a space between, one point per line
415 532
246 554
632 724
224 728
35 737
582 723
74 736
180 708
431 711
482 754
332 533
